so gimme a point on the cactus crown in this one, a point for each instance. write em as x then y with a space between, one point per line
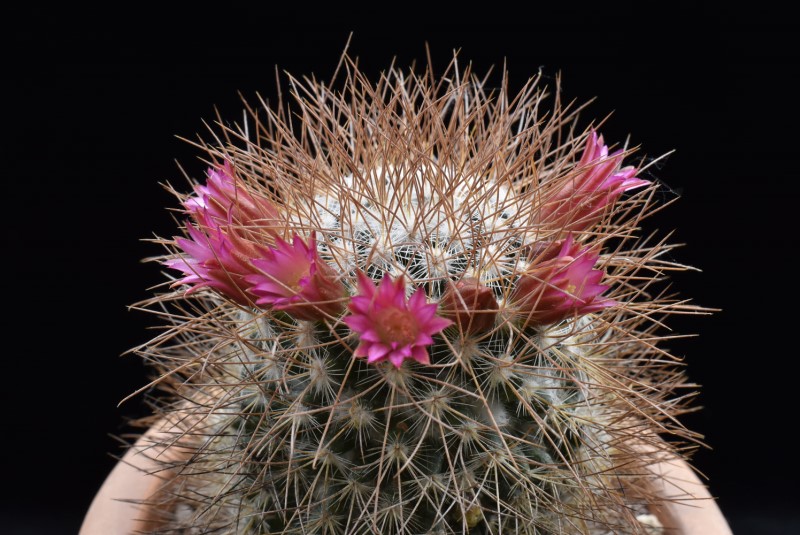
415 306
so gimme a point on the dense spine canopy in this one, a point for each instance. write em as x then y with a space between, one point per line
414 306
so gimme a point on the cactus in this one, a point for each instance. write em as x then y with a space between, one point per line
418 306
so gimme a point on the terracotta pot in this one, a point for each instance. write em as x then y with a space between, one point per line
694 511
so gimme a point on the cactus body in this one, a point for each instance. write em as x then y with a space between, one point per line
523 407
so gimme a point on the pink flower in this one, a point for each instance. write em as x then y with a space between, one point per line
225 200
213 258
389 327
560 285
228 232
598 183
471 304
291 277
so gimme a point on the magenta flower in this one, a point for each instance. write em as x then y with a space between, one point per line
213 259
291 277
225 200
599 182
471 304
228 231
562 283
389 327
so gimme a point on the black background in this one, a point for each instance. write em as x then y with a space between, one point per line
93 104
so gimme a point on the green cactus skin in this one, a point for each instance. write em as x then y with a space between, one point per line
518 429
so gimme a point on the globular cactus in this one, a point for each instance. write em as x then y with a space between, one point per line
415 306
